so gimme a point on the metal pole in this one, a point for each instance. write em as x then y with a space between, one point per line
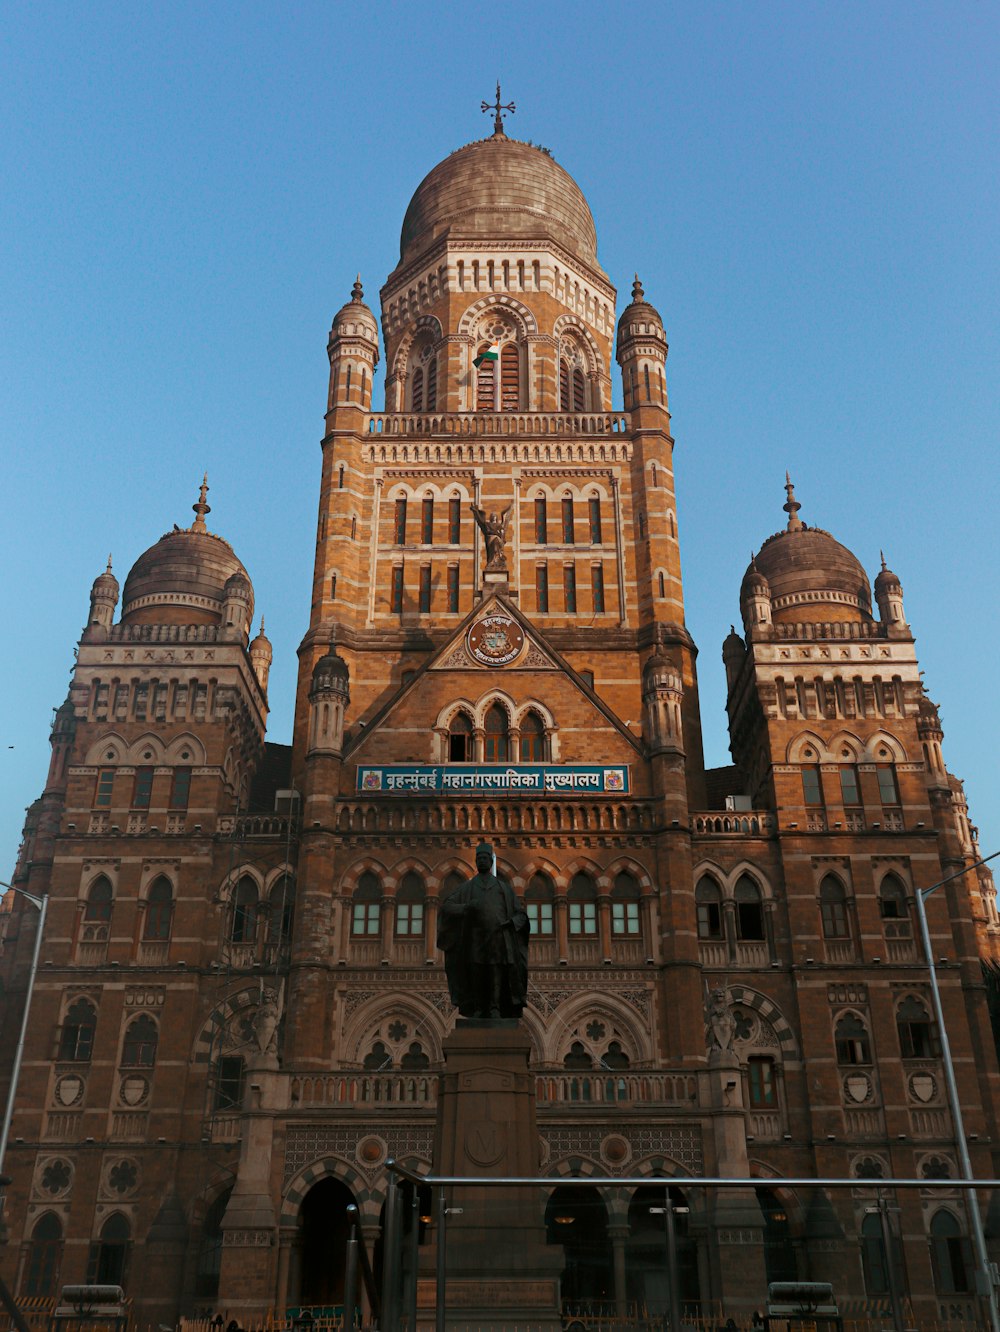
675 1302
411 1289
390 1260
890 1264
351 1271
984 1275
42 903
442 1216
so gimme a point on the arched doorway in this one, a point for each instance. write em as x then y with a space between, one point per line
779 1248
646 1255
210 1249
323 1233
578 1220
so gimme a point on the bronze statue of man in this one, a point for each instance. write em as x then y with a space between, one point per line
483 933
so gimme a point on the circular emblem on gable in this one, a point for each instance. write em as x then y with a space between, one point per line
495 640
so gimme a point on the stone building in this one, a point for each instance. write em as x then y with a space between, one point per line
239 1010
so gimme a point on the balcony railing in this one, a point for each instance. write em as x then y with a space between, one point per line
465 424
734 823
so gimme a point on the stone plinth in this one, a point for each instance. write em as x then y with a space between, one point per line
499 1268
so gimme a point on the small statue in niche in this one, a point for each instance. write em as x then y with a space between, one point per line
266 1020
494 529
720 1025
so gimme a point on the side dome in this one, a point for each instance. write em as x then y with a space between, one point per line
810 575
183 578
355 319
499 188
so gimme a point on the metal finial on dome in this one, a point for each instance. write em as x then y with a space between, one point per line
201 508
637 292
881 556
262 624
357 291
791 506
499 109
108 569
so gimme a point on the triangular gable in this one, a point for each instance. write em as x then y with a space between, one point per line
536 655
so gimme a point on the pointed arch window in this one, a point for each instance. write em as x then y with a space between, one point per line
427 520
749 910
564 385
139 1046
460 747
582 898
539 900
541 521
852 1041
282 902
109 1256
894 908
850 789
76 1039
951 1256
496 738
918 1037
708 901
532 739
452 880
833 908
243 923
625 895
366 904
44 1256
410 906
874 1260
159 909
99 901
454 521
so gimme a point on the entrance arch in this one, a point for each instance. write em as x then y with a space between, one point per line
323 1233
646 1257
578 1220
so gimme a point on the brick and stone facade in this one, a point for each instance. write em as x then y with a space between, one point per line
240 1011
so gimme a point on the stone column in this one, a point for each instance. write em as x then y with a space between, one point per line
618 1235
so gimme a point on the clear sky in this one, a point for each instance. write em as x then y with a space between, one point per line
809 192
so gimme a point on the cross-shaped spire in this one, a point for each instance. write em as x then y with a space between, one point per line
498 108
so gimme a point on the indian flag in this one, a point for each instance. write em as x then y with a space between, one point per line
492 353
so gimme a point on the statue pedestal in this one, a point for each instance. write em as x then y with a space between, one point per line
499 1269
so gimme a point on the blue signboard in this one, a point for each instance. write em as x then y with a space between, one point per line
408 779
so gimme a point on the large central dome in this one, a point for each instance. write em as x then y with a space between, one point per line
499 189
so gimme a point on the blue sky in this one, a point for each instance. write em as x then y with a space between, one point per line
809 192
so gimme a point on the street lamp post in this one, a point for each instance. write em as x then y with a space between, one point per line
984 1275
673 1276
42 904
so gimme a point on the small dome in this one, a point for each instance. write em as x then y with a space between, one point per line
499 189
639 318
106 585
184 578
262 644
754 583
733 646
355 319
238 583
659 672
810 575
886 579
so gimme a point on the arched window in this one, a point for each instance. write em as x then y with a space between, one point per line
538 903
496 740
410 906
833 908
749 909
708 900
378 1058
852 1041
614 1056
582 897
917 1035
486 378
44 1255
577 1057
951 1256
452 880
460 748
76 1040
243 922
139 1046
109 1256
532 739
510 377
282 903
367 902
564 381
99 900
229 1072
893 908
414 1058
159 909
850 788
579 390
625 896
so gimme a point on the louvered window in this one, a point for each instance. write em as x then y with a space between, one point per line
417 399
486 390
510 387
432 384
564 398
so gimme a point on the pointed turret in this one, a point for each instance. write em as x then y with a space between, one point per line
353 353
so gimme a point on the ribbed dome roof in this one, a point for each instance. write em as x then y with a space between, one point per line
809 574
499 188
182 578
